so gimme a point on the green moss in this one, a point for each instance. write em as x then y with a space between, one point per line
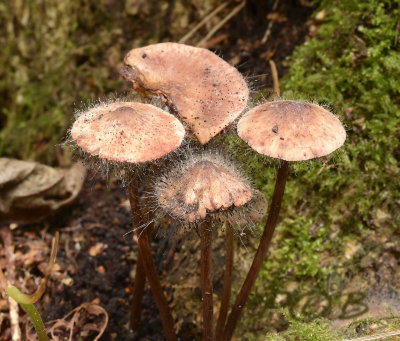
353 64
48 55
317 330
350 201
55 54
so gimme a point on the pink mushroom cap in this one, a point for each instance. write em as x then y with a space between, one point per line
206 92
204 187
291 130
127 132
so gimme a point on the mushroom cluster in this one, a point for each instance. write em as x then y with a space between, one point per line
201 95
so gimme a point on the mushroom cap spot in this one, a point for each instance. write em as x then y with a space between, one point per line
291 130
204 90
205 187
128 132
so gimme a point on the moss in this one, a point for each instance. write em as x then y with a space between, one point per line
353 64
317 330
55 53
337 208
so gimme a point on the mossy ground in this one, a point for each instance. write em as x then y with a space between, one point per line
340 225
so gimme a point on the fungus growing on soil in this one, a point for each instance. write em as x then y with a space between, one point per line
133 133
206 92
205 189
289 131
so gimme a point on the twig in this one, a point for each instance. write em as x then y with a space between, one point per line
221 23
206 281
215 41
14 315
204 21
275 78
376 337
270 24
226 290
14 320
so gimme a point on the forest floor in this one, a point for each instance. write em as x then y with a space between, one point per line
96 257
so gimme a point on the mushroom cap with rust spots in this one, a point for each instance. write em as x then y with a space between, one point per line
127 132
203 188
291 130
206 92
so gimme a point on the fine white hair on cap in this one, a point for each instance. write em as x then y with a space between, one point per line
206 185
127 132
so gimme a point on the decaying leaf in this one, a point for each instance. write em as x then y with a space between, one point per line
30 191
14 171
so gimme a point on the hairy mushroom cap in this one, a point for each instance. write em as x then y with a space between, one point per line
203 89
249 213
127 132
291 130
202 188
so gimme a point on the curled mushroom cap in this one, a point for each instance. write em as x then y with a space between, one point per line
202 188
127 132
291 130
203 89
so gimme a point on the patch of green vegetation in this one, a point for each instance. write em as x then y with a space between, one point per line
56 54
49 52
352 65
317 330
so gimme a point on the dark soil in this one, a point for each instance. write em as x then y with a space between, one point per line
98 215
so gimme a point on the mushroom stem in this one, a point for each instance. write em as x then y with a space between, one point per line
138 291
226 290
261 251
150 269
140 276
206 281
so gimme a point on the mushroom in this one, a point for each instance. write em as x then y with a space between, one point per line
207 185
289 131
127 132
133 133
202 89
203 189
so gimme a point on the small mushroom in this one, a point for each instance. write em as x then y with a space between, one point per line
204 90
207 187
289 131
127 132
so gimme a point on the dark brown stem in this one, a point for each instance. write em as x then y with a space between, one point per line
140 276
138 292
226 290
206 281
261 251
150 271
